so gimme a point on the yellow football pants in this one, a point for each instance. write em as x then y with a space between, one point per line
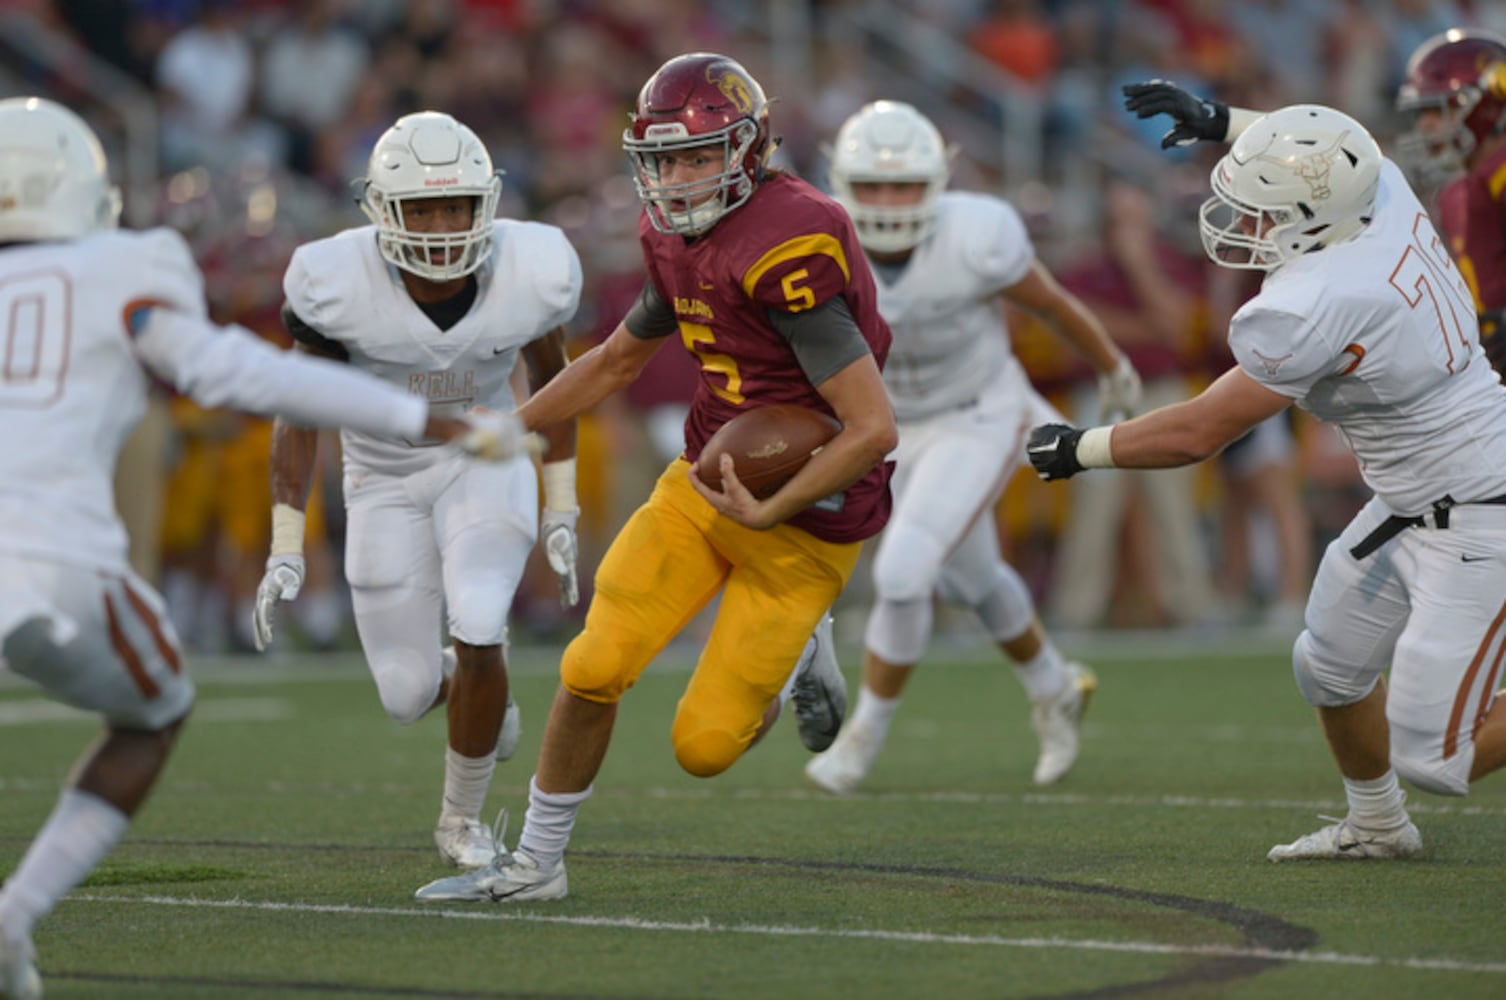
674 554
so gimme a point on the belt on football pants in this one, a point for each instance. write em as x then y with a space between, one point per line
1396 523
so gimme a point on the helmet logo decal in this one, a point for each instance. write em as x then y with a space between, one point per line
1314 168
1493 78
732 85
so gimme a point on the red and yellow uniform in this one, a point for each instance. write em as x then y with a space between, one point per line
1471 212
788 249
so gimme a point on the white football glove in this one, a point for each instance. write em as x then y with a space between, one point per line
1119 392
495 437
281 582
557 532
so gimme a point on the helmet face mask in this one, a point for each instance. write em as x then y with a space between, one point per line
429 155
1461 74
54 180
701 101
1297 180
889 142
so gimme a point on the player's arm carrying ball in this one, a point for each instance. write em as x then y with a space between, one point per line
857 396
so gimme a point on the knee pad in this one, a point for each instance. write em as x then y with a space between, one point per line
597 670
907 565
1007 610
705 752
478 616
1431 772
1417 754
406 683
706 738
1323 680
483 582
898 631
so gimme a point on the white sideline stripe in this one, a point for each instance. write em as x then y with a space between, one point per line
706 926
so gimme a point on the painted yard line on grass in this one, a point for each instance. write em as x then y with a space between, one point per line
706 926
41 711
535 659
1035 798
1415 807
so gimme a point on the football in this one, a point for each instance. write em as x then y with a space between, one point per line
768 446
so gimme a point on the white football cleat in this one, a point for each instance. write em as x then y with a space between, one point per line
464 843
1058 724
820 692
19 979
841 769
512 729
510 877
1343 841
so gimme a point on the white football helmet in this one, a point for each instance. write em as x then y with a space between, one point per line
1297 180
54 181
431 155
890 141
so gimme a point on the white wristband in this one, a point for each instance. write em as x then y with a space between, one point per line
1093 450
1239 120
287 530
559 485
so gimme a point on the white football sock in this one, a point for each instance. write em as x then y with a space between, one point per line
1044 675
1377 804
465 782
81 830
548 823
874 712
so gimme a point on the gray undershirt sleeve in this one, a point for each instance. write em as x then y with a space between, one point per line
825 339
651 317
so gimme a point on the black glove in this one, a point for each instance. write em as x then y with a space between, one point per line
1493 338
1053 451
1196 117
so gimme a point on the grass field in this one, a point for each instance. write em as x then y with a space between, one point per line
279 855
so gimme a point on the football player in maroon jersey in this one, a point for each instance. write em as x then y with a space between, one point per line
1456 88
762 278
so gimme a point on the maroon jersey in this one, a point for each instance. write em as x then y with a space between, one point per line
789 247
1472 215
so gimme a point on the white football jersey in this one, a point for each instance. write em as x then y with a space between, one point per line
950 340
343 288
1379 337
72 383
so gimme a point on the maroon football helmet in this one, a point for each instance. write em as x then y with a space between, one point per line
1462 74
700 99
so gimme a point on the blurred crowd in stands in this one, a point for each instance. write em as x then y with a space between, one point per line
267 110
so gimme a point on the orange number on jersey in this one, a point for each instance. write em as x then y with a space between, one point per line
696 335
35 332
1426 271
799 298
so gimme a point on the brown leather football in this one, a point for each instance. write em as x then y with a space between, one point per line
768 446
